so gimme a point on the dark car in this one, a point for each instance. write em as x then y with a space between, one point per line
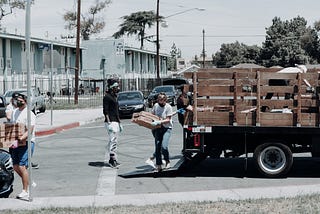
130 102
169 90
6 174
3 105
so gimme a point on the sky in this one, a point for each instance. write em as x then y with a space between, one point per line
223 21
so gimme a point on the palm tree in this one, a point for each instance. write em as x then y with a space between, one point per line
136 23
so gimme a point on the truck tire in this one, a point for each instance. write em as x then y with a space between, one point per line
273 159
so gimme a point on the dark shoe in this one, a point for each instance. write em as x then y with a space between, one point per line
114 163
35 165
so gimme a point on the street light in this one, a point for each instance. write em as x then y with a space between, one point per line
164 24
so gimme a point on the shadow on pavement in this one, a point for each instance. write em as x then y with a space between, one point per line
303 167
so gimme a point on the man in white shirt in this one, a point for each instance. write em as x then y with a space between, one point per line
20 154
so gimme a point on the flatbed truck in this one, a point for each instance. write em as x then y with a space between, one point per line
261 113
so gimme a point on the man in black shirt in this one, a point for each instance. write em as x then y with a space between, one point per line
112 120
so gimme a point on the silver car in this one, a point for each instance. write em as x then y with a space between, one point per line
37 99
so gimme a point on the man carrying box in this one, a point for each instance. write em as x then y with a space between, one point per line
20 154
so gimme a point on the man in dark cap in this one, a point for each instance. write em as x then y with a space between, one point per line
112 120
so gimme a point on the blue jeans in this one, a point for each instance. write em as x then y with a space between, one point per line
162 136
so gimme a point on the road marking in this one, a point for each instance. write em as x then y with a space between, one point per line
106 182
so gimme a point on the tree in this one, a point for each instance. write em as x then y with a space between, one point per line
90 24
235 53
6 6
289 42
172 60
136 23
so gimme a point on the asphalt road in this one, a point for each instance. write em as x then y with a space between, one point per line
72 164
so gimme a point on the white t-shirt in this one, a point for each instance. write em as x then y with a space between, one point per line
22 117
163 113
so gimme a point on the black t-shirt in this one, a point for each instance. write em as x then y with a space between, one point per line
110 108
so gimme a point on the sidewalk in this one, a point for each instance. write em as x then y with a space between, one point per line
59 120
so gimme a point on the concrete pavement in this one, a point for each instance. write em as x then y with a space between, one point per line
60 120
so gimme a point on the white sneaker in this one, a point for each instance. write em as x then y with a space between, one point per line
167 165
23 195
150 163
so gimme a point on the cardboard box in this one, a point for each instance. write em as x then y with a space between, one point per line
145 119
9 133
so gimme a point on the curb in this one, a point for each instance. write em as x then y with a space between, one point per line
57 129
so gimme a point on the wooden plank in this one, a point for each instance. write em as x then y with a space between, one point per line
278 89
299 100
276 119
214 118
258 118
235 95
268 75
195 94
309 119
218 75
215 90
212 102
246 119
277 103
223 82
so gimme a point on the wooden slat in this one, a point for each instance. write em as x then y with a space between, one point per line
276 119
214 118
268 75
277 103
299 100
219 75
207 82
215 90
309 119
277 89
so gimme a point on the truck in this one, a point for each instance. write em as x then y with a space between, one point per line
258 113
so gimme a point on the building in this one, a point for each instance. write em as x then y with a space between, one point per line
112 58
13 68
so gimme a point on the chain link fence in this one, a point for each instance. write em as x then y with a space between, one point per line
90 93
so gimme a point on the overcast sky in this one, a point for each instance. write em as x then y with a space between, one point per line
224 21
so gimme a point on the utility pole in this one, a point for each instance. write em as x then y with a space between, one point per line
203 50
158 44
77 67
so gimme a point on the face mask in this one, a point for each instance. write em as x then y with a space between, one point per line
19 103
161 104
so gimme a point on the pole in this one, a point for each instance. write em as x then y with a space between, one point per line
76 86
51 81
158 45
27 28
203 50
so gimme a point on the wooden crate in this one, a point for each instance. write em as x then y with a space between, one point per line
145 119
10 132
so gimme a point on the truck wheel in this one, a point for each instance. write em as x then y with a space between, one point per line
273 159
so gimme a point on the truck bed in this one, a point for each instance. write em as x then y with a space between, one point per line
255 97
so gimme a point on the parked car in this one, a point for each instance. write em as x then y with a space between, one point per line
6 174
130 102
3 105
169 90
37 99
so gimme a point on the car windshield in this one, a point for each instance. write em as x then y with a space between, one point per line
162 89
129 96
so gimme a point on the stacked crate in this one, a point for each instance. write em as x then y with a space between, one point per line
11 132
